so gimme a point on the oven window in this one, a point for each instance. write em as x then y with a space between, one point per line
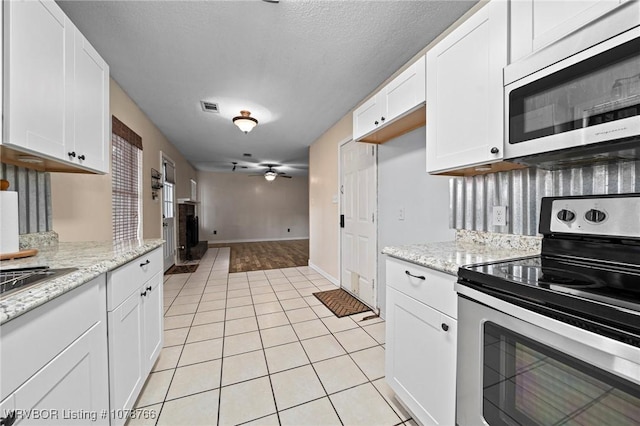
597 90
527 383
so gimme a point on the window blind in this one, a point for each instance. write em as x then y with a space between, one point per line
126 169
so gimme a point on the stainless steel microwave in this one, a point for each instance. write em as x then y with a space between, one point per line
584 107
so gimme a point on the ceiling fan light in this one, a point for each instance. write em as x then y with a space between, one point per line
245 122
270 175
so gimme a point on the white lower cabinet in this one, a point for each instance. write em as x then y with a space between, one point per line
54 361
134 305
421 342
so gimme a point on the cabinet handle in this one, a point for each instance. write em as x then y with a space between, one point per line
382 119
149 288
445 327
143 294
145 263
420 277
81 157
71 154
9 420
495 150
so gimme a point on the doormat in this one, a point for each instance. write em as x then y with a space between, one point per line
341 303
181 269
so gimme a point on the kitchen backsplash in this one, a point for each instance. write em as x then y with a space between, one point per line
472 198
34 197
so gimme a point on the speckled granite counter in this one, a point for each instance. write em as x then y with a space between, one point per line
470 247
91 259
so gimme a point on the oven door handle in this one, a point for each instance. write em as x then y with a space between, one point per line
420 277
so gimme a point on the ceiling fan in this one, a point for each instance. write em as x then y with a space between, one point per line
235 166
271 174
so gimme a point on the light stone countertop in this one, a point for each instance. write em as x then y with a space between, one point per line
91 258
470 247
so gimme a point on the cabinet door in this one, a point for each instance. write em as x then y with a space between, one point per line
367 117
38 35
465 92
421 358
126 376
90 136
538 23
72 388
152 320
406 91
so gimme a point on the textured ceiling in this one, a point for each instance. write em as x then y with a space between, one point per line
298 66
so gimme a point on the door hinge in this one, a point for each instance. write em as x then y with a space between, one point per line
373 217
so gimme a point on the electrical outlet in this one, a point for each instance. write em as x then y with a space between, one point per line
401 213
499 215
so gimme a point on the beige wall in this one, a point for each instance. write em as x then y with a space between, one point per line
324 246
81 204
244 208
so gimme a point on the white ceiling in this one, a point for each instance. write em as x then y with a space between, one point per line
298 66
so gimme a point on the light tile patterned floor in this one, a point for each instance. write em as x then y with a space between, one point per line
258 348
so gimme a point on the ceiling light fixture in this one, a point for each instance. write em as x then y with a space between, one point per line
270 175
245 122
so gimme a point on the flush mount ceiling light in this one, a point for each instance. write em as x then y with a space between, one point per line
245 122
270 175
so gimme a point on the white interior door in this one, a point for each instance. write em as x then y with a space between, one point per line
358 237
168 212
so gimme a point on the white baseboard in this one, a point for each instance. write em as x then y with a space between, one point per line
319 270
256 240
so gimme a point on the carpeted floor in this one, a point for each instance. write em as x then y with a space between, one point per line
264 255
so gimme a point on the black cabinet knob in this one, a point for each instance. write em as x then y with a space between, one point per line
145 263
149 288
382 119
445 327
71 154
495 150
81 157
143 294
375 122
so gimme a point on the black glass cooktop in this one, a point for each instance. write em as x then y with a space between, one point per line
609 293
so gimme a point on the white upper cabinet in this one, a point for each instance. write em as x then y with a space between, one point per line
394 101
56 96
38 71
465 92
90 138
539 23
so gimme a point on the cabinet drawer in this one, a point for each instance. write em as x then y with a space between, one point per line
127 278
430 287
35 338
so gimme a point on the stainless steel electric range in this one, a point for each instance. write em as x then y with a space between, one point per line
555 339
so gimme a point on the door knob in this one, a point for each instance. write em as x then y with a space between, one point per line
445 327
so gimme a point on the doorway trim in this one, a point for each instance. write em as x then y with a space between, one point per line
164 157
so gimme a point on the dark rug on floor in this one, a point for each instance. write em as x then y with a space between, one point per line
181 269
341 303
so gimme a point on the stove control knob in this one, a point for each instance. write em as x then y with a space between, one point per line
566 215
595 216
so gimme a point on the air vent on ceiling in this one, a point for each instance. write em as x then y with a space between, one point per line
209 107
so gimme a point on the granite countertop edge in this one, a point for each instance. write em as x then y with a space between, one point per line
21 302
449 256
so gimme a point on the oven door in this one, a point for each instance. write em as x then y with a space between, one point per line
590 97
516 367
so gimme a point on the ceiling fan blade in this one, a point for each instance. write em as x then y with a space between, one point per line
286 177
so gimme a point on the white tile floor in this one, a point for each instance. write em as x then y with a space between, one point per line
258 348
